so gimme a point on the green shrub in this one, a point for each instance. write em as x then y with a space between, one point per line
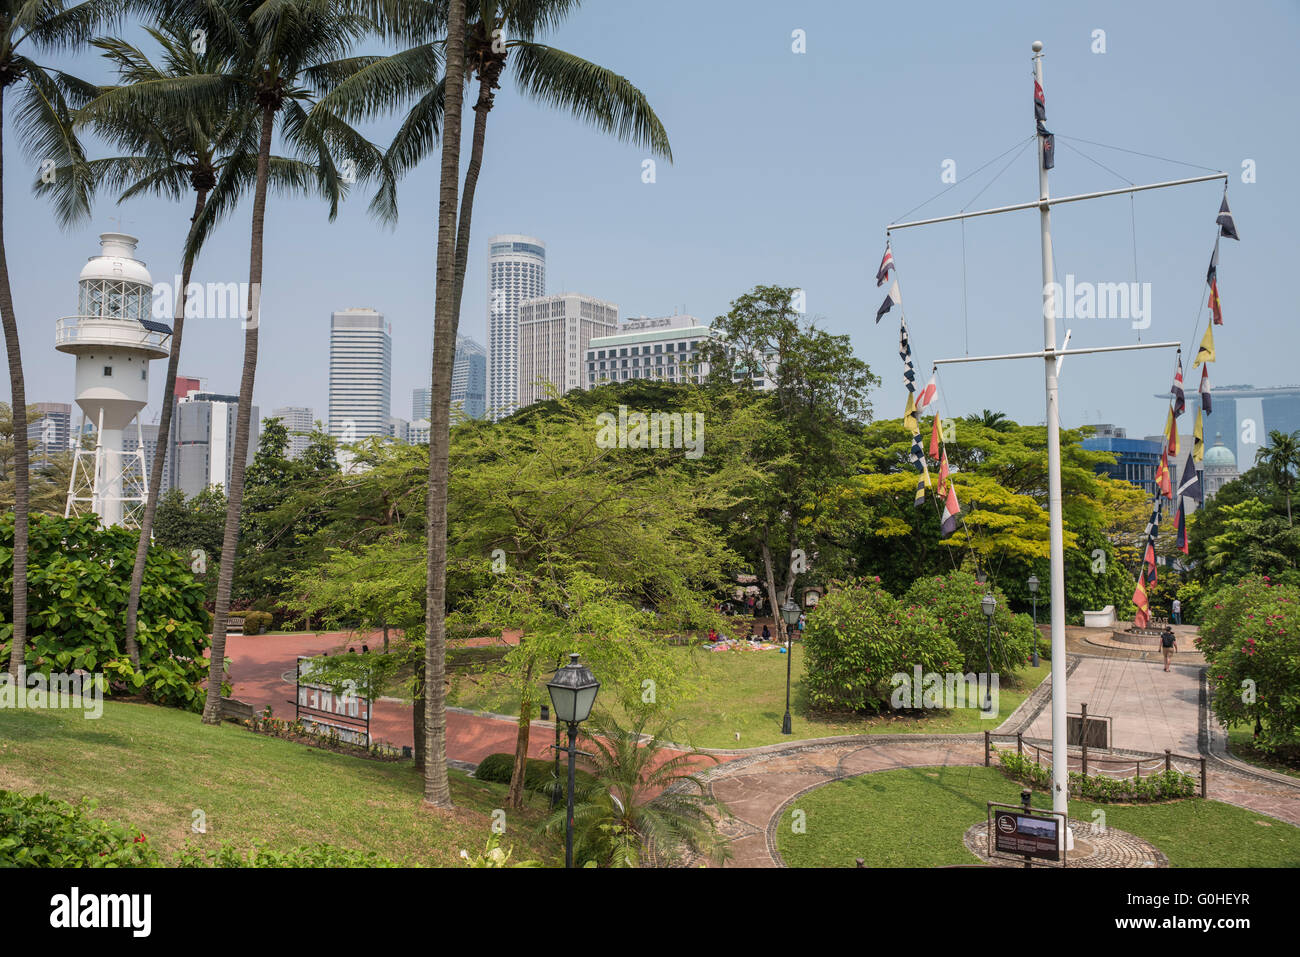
39 831
538 775
1161 786
78 578
954 599
858 637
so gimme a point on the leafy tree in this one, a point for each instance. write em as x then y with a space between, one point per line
48 481
803 444
618 821
1282 456
43 121
1252 540
955 601
193 528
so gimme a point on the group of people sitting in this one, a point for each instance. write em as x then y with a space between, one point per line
753 636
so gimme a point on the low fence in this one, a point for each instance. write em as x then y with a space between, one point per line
1117 767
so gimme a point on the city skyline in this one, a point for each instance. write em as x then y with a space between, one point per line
958 96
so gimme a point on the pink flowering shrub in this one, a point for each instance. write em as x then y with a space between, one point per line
1250 637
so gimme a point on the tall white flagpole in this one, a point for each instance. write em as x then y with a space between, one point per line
1060 756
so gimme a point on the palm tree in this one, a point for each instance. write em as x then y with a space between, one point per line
282 54
482 47
43 121
1282 456
164 155
642 805
997 421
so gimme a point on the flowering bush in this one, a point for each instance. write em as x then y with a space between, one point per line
858 637
954 600
1250 637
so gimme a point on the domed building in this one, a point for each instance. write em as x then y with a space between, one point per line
1219 466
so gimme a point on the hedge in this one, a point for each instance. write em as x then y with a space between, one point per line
1160 786
538 775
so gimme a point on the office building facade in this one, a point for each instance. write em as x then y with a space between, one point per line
469 380
361 370
203 441
516 272
665 349
554 335
300 421
52 432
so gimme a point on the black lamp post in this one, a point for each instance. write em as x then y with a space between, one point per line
573 691
989 605
1033 593
790 613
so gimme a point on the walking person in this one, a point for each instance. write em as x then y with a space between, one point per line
1176 612
1168 645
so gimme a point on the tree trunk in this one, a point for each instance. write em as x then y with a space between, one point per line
515 796
481 109
160 452
437 787
770 573
230 538
18 392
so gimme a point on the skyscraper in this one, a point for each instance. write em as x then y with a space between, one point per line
664 348
468 379
52 432
553 335
420 403
300 421
361 361
516 271
203 441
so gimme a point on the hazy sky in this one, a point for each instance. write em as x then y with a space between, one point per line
788 167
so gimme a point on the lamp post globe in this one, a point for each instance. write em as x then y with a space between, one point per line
573 691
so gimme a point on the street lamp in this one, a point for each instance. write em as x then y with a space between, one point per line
573 691
989 605
790 612
1033 593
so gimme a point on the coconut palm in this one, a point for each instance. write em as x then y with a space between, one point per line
169 156
644 805
482 46
43 121
1282 456
282 55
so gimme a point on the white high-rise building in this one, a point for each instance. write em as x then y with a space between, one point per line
516 272
664 348
203 441
300 421
113 337
553 335
361 370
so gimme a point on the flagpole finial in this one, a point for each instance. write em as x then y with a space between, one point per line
1037 46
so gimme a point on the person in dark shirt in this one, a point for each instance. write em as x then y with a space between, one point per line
1168 645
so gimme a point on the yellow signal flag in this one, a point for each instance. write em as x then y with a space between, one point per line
1198 439
1206 352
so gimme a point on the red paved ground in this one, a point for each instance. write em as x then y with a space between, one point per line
259 662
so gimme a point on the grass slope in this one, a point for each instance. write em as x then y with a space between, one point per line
915 817
152 767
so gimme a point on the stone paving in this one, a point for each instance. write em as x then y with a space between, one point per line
1109 848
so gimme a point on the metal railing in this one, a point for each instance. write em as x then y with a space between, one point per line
68 331
1118 768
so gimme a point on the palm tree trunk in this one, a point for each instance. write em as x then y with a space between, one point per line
437 787
160 452
482 107
235 494
18 391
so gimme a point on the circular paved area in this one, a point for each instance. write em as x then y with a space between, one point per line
1105 847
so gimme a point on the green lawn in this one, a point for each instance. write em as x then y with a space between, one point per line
743 693
915 817
151 767
1241 743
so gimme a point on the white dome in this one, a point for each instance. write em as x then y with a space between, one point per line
116 260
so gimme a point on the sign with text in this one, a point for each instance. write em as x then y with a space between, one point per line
1014 832
322 710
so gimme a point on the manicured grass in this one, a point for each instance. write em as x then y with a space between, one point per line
743 693
1241 743
915 817
152 767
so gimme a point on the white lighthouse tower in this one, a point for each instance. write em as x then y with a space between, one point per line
113 337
